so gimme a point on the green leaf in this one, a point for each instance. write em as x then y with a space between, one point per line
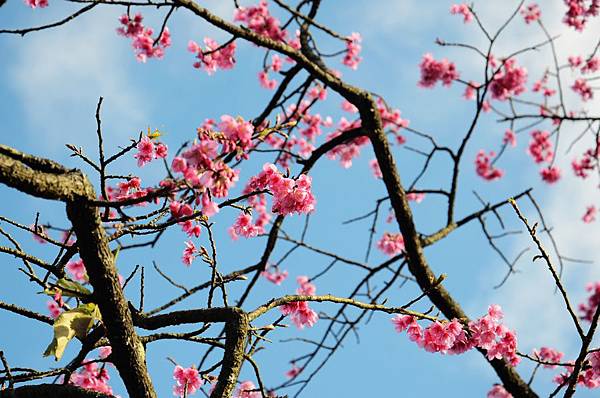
69 289
73 323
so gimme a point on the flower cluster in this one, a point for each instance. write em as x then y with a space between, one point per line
541 150
531 13
484 167
579 11
274 275
187 381
391 244
213 56
37 3
541 86
588 162
450 337
301 314
462 9
148 151
508 81
433 71
142 40
581 87
353 47
498 391
259 19
247 389
549 355
77 270
509 138
93 378
588 309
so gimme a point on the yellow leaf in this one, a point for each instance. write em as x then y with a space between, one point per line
73 323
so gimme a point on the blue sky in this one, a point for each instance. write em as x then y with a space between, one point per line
50 83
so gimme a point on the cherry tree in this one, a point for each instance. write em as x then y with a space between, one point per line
248 175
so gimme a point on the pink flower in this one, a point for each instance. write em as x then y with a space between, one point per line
484 167
187 381
498 391
575 61
54 308
590 214
145 151
293 372
259 20
247 389
375 168
432 71
550 174
415 196
213 57
104 352
264 80
301 314
578 12
588 309
402 322
509 138
348 107
189 253
547 354
540 147
531 13
591 65
391 244
462 9
581 87
37 3
509 81
272 274
77 270
142 40
353 48
91 377
243 226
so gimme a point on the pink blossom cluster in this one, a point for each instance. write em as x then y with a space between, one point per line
245 227
142 40
353 47
590 214
588 162
182 210
148 151
498 391
247 389
289 196
549 355
484 167
77 270
37 3
587 310
591 65
93 378
541 86
259 19
510 138
581 87
274 275
508 81
450 337
588 377
433 71
309 124
391 244
462 9
349 150
213 56
392 120
130 189
374 165
579 11
201 165
301 314
541 150
304 147
187 381
54 308
531 13
189 253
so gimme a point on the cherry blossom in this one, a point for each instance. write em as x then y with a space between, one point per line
531 13
189 253
391 244
92 377
214 56
293 372
247 389
547 354
187 381
540 147
550 174
274 275
433 71
590 214
509 138
259 20
581 87
498 391
141 38
579 11
484 167
462 9
300 312
588 309
53 308
509 81
37 3
77 270
353 47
